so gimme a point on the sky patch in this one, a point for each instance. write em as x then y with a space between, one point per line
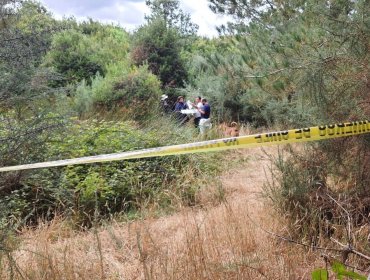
130 13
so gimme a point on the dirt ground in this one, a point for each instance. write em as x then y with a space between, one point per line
223 239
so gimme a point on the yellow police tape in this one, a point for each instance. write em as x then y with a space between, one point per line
278 137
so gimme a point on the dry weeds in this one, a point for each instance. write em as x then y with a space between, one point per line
219 240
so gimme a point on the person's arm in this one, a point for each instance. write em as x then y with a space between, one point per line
200 110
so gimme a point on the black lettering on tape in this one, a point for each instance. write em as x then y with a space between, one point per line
360 126
267 139
355 127
298 133
273 136
322 130
349 126
363 126
276 136
230 141
285 134
331 129
258 138
307 132
340 128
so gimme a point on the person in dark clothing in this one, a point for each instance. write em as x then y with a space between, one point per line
165 104
205 112
205 120
181 105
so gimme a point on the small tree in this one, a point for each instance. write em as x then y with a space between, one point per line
160 41
159 47
169 11
25 110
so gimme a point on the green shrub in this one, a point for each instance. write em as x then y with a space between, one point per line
80 56
135 92
340 271
72 55
159 46
84 191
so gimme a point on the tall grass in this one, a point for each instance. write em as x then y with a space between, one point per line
321 196
216 240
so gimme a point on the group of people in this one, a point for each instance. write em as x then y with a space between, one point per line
184 111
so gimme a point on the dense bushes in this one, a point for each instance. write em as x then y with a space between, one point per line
135 92
84 191
319 191
72 54
80 56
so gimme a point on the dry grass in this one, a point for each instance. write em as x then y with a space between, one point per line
219 240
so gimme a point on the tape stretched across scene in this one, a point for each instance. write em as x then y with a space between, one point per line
257 140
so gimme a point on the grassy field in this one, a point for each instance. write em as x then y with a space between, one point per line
222 238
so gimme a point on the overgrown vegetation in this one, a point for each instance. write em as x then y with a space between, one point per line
311 58
71 89
61 83
132 92
82 192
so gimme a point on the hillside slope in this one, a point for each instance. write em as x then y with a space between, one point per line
224 239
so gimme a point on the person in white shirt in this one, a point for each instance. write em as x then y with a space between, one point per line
199 105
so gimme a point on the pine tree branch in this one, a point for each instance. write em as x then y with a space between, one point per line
276 72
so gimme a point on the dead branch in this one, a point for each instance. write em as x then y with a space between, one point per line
349 235
349 248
